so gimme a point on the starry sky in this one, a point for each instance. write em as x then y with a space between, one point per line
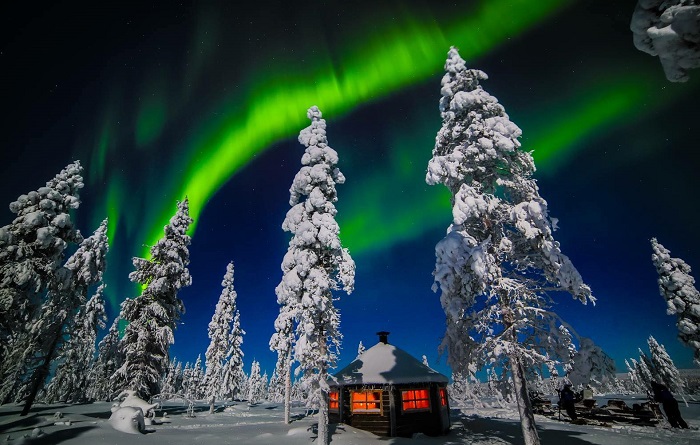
205 100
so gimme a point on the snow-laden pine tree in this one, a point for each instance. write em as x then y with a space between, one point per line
315 265
234 376
71 377
67 293
665 370
31 251
168 386
256 384
645 370
677 287
591 365
635 380
499 260
152 316
226 338
275 390
108 361
187 381
195 380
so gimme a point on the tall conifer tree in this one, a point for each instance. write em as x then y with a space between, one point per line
153 315
315 265
499 258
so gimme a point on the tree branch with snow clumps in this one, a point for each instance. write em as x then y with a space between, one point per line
677 286
669 29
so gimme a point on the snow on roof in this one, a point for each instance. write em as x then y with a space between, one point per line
387 364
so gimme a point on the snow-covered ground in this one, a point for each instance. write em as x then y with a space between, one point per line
262 424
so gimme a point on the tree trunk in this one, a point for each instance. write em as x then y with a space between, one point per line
527 418
287 389
323 436
211 404
39 375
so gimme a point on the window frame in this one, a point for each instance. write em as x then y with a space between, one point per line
332 401
414 399
366 401
442 392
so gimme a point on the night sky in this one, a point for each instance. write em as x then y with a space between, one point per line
206 99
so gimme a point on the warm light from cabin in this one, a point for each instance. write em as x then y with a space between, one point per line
415 399
333 399
366 401
443 397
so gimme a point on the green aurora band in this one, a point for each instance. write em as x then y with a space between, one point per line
399 56
402 55
374 216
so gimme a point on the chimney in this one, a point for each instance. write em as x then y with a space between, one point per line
383 337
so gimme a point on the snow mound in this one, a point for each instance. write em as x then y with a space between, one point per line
128 419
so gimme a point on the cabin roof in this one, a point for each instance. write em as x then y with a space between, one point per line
387 364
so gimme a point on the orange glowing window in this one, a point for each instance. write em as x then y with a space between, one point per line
333 400
443 397
415 399
366 401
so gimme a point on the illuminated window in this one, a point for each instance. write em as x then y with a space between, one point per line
415 399
366 401
443 397
333 397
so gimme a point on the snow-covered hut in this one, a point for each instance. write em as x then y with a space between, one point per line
390 393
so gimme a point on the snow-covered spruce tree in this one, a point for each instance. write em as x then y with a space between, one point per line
315 265
234 375
635 382
187 380
70 380
196 379
499 260
67 293
677 287
254 384
226 338
107 362
152 316
664 369
669 29
645 370
275 390
591 365
31 251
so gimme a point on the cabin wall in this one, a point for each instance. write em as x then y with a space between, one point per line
434 422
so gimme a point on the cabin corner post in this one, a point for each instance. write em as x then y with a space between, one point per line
392 410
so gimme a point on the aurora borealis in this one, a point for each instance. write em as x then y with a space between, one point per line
205 100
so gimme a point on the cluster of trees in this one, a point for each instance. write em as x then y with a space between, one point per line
498 269
49 327
657 366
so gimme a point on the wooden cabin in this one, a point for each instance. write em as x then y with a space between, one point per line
388 392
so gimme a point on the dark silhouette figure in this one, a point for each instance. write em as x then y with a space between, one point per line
567 399
670 404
